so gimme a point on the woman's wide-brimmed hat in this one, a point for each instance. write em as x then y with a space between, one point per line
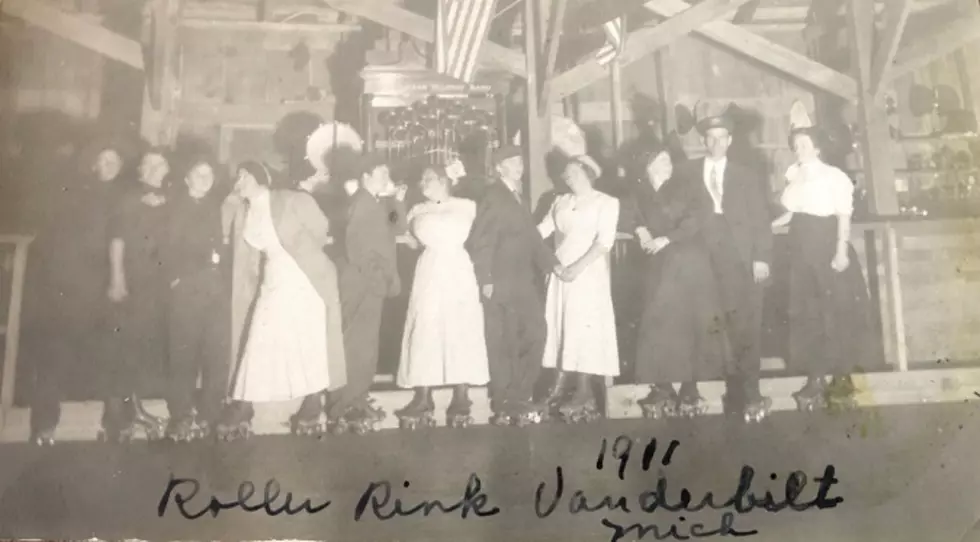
589 163
329 137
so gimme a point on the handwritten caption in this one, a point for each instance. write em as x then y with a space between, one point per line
379 501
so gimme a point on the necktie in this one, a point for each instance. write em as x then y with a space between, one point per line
715 181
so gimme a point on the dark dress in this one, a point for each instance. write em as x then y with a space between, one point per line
65 303
137 344
679 336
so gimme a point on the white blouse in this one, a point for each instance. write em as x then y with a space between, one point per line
818 189
588 218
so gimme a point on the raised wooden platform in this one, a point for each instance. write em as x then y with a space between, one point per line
80 421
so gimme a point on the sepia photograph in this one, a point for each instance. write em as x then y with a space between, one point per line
481 270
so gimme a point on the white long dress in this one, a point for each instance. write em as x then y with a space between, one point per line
444 342
285 354
581 323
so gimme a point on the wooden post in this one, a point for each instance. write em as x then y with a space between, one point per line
159 127
664 65
537 138
616 103
12 333
875 138
879 173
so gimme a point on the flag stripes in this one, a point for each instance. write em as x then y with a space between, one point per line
461 29
615 31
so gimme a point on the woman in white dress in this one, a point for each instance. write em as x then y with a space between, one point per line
579 309
443 342
287 353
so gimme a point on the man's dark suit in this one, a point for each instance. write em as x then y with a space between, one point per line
369 274
736 238
509 254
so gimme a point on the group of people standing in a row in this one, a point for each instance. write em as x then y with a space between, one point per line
305 293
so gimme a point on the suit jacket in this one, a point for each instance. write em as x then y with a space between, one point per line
369 241
745 209
303 231
507 250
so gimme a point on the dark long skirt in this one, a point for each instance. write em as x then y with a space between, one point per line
681 336
829 312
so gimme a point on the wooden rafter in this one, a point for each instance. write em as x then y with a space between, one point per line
747 12
644 42
388 14
956 35
555 24
76 29
896 15
771 54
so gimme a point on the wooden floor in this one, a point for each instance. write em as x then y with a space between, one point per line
906 473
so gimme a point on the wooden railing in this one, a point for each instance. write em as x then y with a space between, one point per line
14 266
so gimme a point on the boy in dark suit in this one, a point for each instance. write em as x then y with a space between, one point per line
508 255
368 275
735 225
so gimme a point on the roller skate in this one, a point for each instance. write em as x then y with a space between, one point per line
306 421
556 395
236 422
757 409
418 413
365 418
117 423
458 413
43 438
839 394
811 396
660 403
526 414
339 425
580 409
503 414
690 403
153 428
182 429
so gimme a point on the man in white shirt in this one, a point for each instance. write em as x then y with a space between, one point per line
735 227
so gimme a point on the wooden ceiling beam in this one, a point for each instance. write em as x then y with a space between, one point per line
896 15
955 36
44 14
776 57
644 42
388 14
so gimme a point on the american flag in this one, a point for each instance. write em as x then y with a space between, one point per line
615 31
461 28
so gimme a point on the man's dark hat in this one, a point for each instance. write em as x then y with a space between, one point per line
712 116
506 152
721 121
